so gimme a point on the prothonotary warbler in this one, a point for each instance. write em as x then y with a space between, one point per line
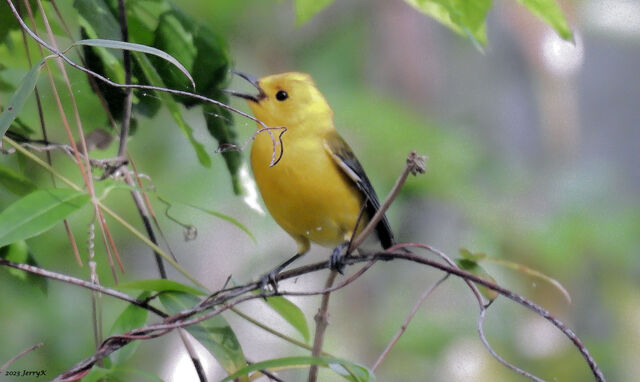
318 188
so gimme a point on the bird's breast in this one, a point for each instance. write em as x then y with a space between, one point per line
305 192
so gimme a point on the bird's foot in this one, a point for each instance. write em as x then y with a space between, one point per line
269 280
336 261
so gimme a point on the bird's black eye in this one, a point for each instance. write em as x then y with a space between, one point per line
282 95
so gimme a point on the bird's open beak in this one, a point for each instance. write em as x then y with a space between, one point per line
253 81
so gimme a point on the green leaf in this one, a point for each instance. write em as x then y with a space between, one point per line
98 16
215 334
173 35
463 16
532 272
96 374
174 109
98 21
550 12
206 54
114 44
143 17
475 269
5 86
105 63
8 20
19 252
18 98
99 374
131 318
219 125
161 285
211 65
14 182
306 9
134 375
291 313
200 49
475 257
346 369
38 212
19 128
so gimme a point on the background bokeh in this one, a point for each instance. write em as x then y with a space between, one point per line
533 150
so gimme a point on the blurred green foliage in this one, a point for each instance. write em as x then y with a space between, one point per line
464 17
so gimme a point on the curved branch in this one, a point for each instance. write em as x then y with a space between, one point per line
227 298
495 355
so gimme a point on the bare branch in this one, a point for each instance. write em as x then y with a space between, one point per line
322 321
415 165
404 326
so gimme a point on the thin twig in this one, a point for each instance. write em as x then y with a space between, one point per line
495 355
415 165
404 326
13 359
267 374
126 64
341 285
84 167
274 332
92 81
193 355
106 209
82 283
108 165
109 246
146 221
44 129
269 130
481 305
135 193
137 176
96 297
322 321
87 179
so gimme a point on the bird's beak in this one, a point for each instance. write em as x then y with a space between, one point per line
253 81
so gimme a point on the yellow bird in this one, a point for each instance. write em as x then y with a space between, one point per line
317 189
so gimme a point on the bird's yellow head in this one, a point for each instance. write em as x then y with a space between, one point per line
286 99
